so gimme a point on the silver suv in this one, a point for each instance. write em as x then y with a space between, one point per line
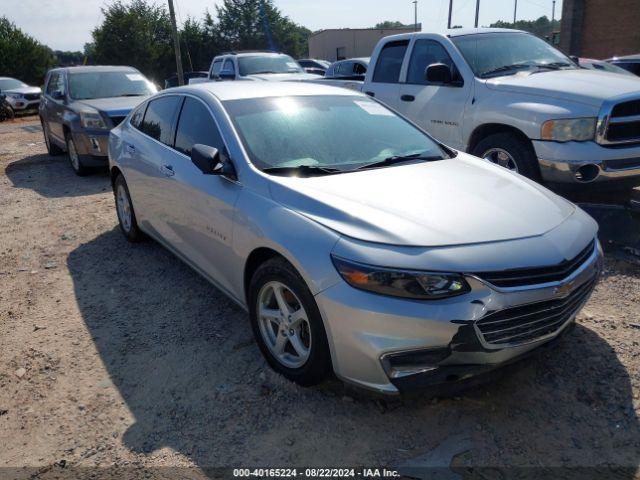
257 66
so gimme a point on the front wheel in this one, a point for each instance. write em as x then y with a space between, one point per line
126 214
511 152
74 158
287 324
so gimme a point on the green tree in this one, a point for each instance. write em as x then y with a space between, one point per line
21 56
390 24
542 27
64 58
136 34
258 24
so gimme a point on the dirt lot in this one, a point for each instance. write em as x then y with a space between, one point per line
118 355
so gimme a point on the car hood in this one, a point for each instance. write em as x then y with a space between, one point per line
584 86
116 106
24 90
464 200
281 77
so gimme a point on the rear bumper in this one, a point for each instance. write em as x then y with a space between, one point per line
561 162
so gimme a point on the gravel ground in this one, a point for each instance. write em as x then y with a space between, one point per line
118 355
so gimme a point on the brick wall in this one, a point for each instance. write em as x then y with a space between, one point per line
600 28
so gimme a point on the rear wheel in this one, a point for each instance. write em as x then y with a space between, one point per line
74 158
511 152
126 214
287 324
52 148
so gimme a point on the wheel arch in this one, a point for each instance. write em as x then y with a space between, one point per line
483 131
113 174
256 258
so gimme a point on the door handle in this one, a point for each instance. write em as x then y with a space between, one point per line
131 149
371 94
167 170
407 98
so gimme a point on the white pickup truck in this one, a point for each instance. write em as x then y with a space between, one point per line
511 98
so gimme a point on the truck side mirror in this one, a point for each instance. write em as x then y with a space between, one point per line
57 95
438 73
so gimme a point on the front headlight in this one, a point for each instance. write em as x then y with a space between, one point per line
15 96
92 120
568 129
401 283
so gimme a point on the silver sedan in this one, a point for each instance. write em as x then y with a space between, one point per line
357 243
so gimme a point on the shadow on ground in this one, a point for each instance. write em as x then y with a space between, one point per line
53 177
182 358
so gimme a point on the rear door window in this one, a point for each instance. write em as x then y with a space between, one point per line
390 62
160 117
196 125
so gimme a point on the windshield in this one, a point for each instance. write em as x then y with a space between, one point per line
337 132
86 85
11 83
254 64
494 54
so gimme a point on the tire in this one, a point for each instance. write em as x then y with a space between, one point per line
306 334
74 158
52 148
126 214
520 151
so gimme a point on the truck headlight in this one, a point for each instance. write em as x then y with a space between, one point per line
568 129
92 120
401 283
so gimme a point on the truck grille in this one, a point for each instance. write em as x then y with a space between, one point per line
622 123
527 323
518 277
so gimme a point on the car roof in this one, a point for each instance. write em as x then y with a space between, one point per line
252 53
98 68
455 32
627 57
242 90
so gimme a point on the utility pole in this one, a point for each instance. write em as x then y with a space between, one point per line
176 43
450 12
515 11
477 12
553 13
415 15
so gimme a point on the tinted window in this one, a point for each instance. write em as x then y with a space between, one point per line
159 119
136 117
359 69
631 67
217 66
256 64
390 62
228 66
425 53
196 126
345 68
56 83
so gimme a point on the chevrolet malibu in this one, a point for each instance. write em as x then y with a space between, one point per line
357 243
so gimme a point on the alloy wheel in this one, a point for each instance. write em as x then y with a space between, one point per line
284 324
73 155
124 208
501 157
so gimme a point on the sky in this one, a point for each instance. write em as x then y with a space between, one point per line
67 24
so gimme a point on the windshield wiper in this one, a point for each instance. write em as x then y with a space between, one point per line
260 72
505 69
131 95
398 159
306 170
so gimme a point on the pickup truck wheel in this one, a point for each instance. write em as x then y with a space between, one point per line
126 214
287 324
74 158
52 148
509 151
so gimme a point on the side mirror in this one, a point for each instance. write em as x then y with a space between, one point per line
57 95
210 162
226 75
438 73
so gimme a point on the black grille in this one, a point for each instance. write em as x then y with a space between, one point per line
626 109
32 96
619 132
532 276
623 163
117 120
526 323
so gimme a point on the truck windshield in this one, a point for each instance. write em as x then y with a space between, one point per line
256 64
86 85
496 54
335 133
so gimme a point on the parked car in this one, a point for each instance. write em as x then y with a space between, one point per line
257 66
630 63
513 99
20 96
601 65
357 243
315 66
188 76
81 104
350 69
